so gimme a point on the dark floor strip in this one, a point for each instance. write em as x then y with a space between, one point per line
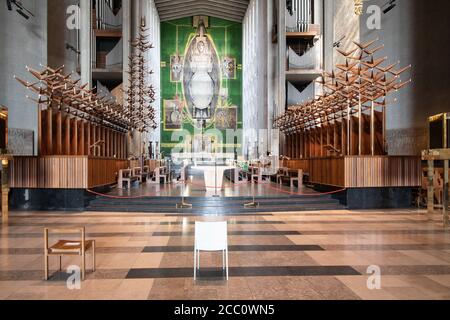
231 233
384 247
249 248
244 272
374 232
167 223
218 214
38 275
155 234
231 222
243 233
415 270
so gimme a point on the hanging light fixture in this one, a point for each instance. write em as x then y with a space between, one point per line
359 7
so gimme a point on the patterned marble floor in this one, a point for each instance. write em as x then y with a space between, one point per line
308 255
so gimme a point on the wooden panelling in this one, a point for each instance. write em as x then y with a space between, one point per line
104 171
372 172
61 134
63 172
362 171
53 172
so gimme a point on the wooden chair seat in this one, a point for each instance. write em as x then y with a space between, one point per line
68 247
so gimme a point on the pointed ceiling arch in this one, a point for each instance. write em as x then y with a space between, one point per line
233 10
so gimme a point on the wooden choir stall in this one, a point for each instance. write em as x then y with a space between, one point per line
339 138
82 140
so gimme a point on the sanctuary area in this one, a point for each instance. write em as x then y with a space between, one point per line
224 149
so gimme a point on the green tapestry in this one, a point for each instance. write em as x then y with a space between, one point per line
201 85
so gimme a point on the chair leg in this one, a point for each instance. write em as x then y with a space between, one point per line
198 260
93 256
195 264
60 263
83 266
227 263
46 267
223 259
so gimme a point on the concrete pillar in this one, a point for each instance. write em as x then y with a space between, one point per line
281 57
263 125
281 65
126 36
328 34
319 19
270 83
135 18
85 41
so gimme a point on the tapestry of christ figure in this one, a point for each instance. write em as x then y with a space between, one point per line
201 77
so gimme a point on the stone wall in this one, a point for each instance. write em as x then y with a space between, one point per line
22 42
415 32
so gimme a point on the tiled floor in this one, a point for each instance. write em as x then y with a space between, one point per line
308 255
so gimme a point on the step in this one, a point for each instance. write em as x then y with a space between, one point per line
212 202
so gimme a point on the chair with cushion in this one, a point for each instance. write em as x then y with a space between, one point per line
211 236
68 248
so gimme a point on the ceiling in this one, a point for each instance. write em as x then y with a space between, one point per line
233 10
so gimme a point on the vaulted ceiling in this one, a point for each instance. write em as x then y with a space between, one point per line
233 10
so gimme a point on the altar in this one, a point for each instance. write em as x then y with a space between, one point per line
198 158
213 175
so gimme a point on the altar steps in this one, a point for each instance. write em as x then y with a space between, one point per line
230 205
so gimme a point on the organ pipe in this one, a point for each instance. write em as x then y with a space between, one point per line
303 15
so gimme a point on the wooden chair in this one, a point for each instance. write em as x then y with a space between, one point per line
240 176
126 175
255 174
183 174
282 173
140 174
158 174
146 172
68 248
298 178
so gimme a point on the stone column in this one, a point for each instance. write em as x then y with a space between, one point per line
126 37
281 67
328 34
319 19
86 41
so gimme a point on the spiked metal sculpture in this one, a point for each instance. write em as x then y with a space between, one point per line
359 85
139 94
59 91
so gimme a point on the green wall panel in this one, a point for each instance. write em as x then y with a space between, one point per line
176 117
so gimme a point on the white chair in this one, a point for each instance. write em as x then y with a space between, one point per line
211 236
